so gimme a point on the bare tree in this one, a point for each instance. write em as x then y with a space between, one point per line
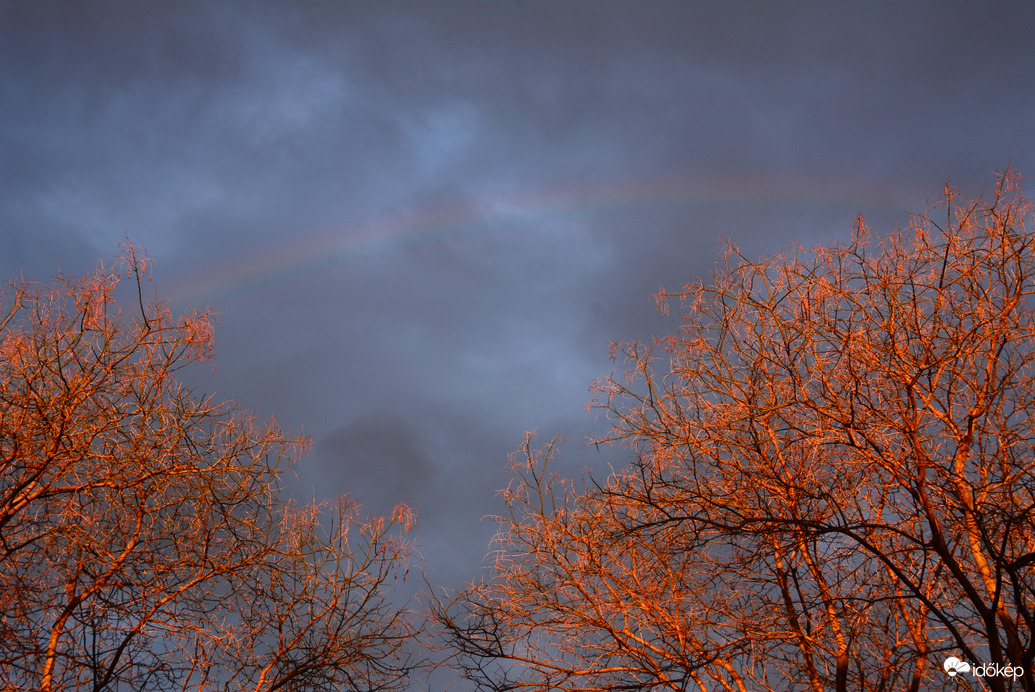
833 484
145 538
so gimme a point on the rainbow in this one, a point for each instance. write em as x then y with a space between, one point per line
382 234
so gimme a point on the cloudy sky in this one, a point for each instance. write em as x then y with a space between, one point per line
422 224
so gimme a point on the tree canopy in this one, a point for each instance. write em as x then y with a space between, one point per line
146 541
833 483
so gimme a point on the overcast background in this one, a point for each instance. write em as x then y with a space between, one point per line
422 224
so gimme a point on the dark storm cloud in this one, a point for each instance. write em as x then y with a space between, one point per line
381 458
225 120
422 224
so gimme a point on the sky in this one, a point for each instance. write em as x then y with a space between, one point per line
422 225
